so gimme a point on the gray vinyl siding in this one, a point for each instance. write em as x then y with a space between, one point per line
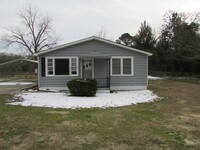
100 52
54 81
139 77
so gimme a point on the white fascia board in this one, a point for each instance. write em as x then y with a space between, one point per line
88 39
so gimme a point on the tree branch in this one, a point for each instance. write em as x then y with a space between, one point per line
34 34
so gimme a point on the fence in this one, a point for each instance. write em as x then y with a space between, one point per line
103 82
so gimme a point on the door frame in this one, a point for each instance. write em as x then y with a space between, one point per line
92 60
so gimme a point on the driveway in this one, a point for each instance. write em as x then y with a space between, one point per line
13 89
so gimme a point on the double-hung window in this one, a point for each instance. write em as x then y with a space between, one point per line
122 66
62 66
50 67
74 66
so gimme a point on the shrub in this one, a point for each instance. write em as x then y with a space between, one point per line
82 87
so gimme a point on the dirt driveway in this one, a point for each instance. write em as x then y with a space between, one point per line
13 89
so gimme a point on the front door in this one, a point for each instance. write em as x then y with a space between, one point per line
87 69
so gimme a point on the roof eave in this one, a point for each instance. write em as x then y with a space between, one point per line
123 46
63 46
88 39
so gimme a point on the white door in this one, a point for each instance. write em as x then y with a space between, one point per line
87 69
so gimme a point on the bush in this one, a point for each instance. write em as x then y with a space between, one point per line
82 87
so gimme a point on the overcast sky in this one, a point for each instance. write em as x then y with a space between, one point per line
76 19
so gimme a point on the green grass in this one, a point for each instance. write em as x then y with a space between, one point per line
170 123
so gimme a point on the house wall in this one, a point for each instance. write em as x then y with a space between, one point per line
136 82
96 49
49 82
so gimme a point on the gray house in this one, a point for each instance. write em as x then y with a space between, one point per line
113 65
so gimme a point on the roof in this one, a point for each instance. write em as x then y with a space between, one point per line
16 60
89 39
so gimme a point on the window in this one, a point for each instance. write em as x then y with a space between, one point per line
50 66
62 66
116 66
121 66
74 66
126 66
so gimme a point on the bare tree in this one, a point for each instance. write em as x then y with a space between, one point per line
34 34
102 33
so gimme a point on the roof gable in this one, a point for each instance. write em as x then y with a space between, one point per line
90 39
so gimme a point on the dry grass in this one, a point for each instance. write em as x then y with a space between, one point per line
170 123
182 111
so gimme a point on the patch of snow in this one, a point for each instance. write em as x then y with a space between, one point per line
15 83
51 90
102 100
154 78
30 90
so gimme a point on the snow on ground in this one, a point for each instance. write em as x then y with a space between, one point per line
15 83
102 100
154 78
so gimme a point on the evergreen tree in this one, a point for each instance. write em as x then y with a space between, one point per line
144 39
179 44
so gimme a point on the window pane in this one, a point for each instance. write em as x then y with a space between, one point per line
50 64
73 60
116 66
61 66
50 68
74 72
127 66
73 68
50 60
74 64
50 72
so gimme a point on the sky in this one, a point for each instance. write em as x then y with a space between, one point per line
77 19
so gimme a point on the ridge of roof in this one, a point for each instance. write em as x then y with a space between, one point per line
89 39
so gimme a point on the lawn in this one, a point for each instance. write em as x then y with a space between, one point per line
170 123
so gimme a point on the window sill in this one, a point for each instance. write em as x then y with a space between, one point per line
62 75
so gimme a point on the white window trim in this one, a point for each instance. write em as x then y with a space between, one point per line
70 73
121 65
46 66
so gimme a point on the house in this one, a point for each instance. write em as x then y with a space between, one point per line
113 65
